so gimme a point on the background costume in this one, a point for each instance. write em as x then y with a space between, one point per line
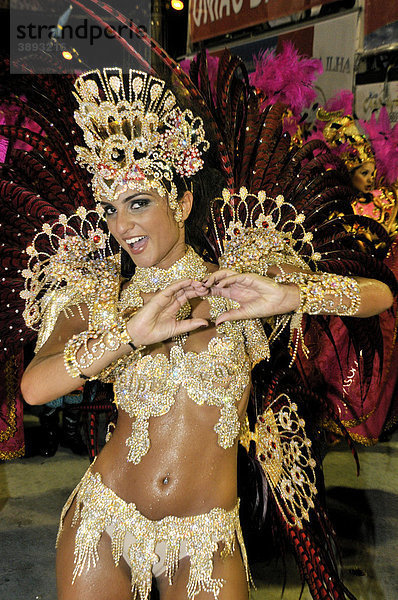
251 150
367 412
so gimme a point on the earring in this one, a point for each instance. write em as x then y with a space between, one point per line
178 216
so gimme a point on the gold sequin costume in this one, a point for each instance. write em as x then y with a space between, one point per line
115 148
151 547
80 271
146 387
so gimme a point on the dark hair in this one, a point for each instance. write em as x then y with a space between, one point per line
206 185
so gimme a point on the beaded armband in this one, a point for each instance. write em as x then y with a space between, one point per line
109 339
324 293
320 293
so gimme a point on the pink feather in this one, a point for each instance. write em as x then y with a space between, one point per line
286 77
384 141
9 116
343 101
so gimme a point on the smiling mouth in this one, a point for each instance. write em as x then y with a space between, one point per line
137 243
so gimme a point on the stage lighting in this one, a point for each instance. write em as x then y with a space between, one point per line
177 4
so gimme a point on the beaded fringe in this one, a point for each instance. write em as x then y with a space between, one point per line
99 508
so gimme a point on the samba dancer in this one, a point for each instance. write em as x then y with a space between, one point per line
179 340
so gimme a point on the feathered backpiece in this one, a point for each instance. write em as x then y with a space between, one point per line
39 180
212 70
250 150
310 179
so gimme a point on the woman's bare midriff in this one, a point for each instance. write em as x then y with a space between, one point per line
185 471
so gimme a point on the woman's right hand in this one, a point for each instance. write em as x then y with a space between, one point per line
157 320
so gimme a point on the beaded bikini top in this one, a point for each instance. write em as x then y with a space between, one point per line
147 386
217 376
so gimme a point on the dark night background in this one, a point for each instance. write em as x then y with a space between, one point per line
164 23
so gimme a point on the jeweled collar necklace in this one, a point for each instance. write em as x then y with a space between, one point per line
152 279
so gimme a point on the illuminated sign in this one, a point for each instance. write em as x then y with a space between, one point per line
211 18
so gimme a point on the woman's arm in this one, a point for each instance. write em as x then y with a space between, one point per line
261 297
46 377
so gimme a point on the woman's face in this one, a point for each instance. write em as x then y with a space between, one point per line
363 177
143 224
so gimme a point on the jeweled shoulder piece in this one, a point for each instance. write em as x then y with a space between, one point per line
261 232
136 134
258 234
70 260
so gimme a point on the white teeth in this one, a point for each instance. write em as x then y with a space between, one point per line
133 240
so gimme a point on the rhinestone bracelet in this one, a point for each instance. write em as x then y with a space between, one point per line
109 339
324 293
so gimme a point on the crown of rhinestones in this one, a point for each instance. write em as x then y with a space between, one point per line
136 135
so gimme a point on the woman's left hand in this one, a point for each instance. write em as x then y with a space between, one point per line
258 296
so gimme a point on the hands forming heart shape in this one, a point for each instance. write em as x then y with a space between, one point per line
257 296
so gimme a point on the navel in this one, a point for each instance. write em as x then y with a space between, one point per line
166 479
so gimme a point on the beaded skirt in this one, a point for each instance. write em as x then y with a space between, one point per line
145 543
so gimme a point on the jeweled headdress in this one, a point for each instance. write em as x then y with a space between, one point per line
136 134
342 134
